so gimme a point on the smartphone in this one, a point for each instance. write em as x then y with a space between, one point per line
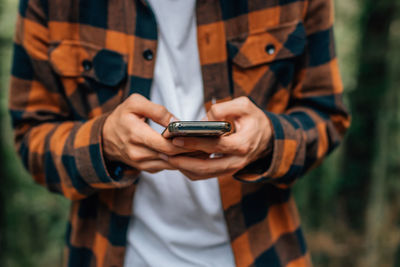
197 129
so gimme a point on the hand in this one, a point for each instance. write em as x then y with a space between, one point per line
248 143
129 139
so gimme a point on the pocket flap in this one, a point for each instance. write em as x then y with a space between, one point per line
273 44
71 58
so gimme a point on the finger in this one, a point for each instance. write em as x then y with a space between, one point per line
154 166
138 153
207 167
231 144
157 113
195 177
155 141
236 107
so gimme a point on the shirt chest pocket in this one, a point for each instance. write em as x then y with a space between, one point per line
265 62
93 78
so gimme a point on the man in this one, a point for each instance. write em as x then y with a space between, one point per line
83 74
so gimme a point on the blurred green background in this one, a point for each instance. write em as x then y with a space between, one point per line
350 205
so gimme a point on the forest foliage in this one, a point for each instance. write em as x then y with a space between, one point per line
350 205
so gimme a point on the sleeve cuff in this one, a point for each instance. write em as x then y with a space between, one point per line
90 160
280 164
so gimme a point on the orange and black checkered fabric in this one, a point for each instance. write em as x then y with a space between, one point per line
75 61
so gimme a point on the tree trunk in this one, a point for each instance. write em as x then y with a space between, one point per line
2 167
2 174
366 146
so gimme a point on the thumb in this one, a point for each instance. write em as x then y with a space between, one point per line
144 107
233 108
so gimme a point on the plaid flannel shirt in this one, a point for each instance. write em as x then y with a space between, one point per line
76 60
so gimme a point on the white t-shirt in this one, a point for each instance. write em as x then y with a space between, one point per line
177 222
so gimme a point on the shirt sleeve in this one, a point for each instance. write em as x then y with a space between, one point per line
61 153
315 120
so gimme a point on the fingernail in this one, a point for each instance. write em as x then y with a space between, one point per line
178 142
163 157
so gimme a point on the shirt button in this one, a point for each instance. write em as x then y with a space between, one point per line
270 49
148 54
87 65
